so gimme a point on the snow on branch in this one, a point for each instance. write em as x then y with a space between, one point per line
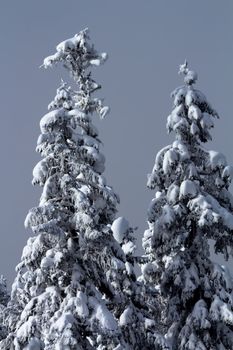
76 53
190 76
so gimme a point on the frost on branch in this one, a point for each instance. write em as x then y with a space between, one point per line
192 204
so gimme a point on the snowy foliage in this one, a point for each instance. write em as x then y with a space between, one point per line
123 234
74 281
77 55
192 204
3 291
4 297
76 287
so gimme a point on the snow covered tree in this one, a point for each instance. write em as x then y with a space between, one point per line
4 297
192 205
139 329
74 288
69 269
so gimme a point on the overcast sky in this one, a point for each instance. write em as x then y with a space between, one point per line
146 41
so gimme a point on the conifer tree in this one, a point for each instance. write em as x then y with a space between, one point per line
4 297
137 321
72 284
192 205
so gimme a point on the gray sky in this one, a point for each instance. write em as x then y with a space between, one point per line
146 41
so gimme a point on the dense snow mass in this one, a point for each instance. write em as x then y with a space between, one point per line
119 228
192 204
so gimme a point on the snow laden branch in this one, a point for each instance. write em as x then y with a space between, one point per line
192 205
78 55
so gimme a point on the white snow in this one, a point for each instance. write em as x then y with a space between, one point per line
216 160
64 321
119 228
194 97
73 45
104 111
182 149
220 311
179 96
48 61
117 264
207 121
97 62
188 189
194 129
102 314
174 121
128 247
167 216
194 112
191 279
150 268
228 172
68 44
202 203
190 77
159 158
34 344
126 317
149 323
81 304
26 328
129 268
49 120
219 271
47 263
173 194
41 170
169 160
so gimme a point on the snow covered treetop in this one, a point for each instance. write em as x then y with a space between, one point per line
190 77
192 116
77 54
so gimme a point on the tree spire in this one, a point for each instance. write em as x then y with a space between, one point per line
78 56
192 116
190 77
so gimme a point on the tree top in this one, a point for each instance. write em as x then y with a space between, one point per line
190 77
77 54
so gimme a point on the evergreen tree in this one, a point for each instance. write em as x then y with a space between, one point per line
72 272
192 205
138 321
4 297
